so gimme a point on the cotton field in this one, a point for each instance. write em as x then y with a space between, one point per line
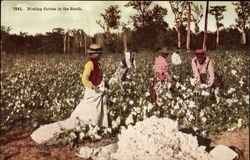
47 88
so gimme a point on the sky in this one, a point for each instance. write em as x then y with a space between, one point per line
35 21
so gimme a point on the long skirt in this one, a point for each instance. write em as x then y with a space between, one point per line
91 110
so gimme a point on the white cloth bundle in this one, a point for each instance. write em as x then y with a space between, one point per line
176 59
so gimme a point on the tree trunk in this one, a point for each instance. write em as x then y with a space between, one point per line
217 37
80 42
125 42
188 32
196 28
205 28
85 44
68 38
64 43
179 34
244 41
76 39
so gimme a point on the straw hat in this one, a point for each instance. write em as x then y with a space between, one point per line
94 49
165 50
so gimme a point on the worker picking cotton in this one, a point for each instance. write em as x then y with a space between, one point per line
162 73
92 108
203 69
126 65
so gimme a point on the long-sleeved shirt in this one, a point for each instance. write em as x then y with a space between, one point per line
205 68
161 68
88 68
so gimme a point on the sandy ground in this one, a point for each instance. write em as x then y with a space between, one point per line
238 138
17 144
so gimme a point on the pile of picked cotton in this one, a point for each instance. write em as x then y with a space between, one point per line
156 138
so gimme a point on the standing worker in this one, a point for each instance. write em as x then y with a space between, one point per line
92 108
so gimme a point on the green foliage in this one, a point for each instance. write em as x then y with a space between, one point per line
243 11
146 16
112 17
143 11
147 22
196 16
217 11
139 39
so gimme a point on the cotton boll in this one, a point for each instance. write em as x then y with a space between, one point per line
204 86
177 85
231 129
176 107
202 113
183 87
233 72
191 104
246 99
229 102
114 124
118 120
131 102
129 120
231 90
241 82
169 85
114 100
239 123
204 133
204 119
72 135
192 81
205 93
150 106
82 135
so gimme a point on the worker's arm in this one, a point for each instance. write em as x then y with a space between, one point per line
211 73
88 68
195 72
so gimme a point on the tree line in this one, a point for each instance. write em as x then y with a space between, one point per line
150 30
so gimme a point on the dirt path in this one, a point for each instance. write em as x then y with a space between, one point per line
238 138
17 145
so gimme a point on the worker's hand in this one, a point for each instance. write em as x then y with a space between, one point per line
130 70
204 86
197 85
97 89
106 84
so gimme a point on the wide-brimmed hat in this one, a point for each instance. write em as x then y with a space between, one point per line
199 52
165 50
94 49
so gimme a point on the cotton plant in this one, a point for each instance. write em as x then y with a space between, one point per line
80 134
44 90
